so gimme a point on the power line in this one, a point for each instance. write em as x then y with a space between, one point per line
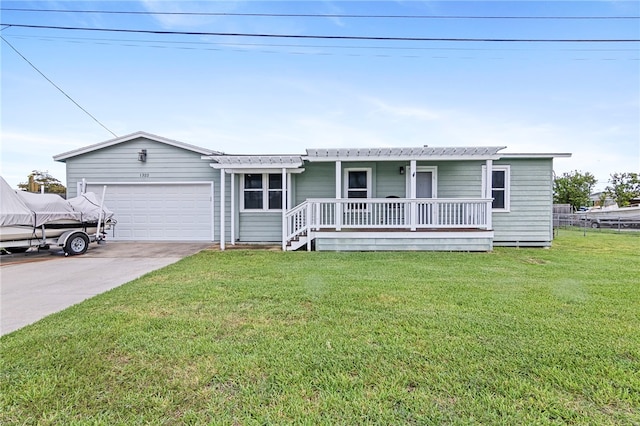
298 45
325 37
312 15
58 87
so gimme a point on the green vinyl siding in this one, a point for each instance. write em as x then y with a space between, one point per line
404 244
389 181
529 221
165 163
260 227
119 163
317 181
459 179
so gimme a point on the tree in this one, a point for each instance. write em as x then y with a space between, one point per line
37 179
573 188
624 188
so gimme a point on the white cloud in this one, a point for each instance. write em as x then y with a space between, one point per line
178 20
397 111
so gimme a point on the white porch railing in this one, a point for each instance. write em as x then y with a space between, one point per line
385 213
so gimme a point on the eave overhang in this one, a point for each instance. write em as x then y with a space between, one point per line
144 135
536 155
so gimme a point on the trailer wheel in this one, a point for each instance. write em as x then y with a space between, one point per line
595 225
77 243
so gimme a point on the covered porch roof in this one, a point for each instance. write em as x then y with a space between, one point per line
404 154
255 163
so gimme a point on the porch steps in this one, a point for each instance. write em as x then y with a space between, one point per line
297 243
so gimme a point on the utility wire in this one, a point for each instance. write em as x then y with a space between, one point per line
170 43
312 15
327 37
57 87
318 50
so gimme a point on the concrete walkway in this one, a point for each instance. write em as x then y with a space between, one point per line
34 285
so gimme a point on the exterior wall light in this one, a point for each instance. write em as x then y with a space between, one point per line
401 170
142 155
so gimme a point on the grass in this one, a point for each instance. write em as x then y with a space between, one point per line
516 336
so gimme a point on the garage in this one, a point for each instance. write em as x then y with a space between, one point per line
167 211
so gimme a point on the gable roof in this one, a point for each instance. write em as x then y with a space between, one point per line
126 138
395 154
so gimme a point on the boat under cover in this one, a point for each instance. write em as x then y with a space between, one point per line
29 216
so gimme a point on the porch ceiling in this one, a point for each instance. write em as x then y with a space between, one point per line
400 154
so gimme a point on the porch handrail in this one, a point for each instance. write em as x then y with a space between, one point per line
315 214
297 221
400 213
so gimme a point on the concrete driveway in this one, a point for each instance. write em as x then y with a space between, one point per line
34 285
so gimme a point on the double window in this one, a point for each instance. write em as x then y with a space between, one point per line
262 191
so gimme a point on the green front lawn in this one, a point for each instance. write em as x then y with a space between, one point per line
516 336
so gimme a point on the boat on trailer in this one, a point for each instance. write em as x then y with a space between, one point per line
44 220
613 216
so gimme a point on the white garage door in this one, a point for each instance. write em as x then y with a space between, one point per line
159 212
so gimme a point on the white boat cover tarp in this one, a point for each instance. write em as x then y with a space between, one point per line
48 207
26 208
89 205
13 211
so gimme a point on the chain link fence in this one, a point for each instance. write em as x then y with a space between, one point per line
564 217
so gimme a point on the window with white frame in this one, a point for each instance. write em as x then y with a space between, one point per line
357 183
262 191
500 187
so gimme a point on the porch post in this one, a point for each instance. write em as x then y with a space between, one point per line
488 192
233 209
412 179
222 201
308 224
338 195
284 209
412 194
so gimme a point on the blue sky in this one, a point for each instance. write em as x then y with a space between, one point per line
283 95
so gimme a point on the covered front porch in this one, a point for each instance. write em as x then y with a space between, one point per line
389 224
361 199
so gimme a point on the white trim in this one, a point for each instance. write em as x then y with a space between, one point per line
402 158
257 170
536 155
412 189
345 187
222 209
507 183
126 138
338 179
403 154
284 208
186 182
233 209
225 161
